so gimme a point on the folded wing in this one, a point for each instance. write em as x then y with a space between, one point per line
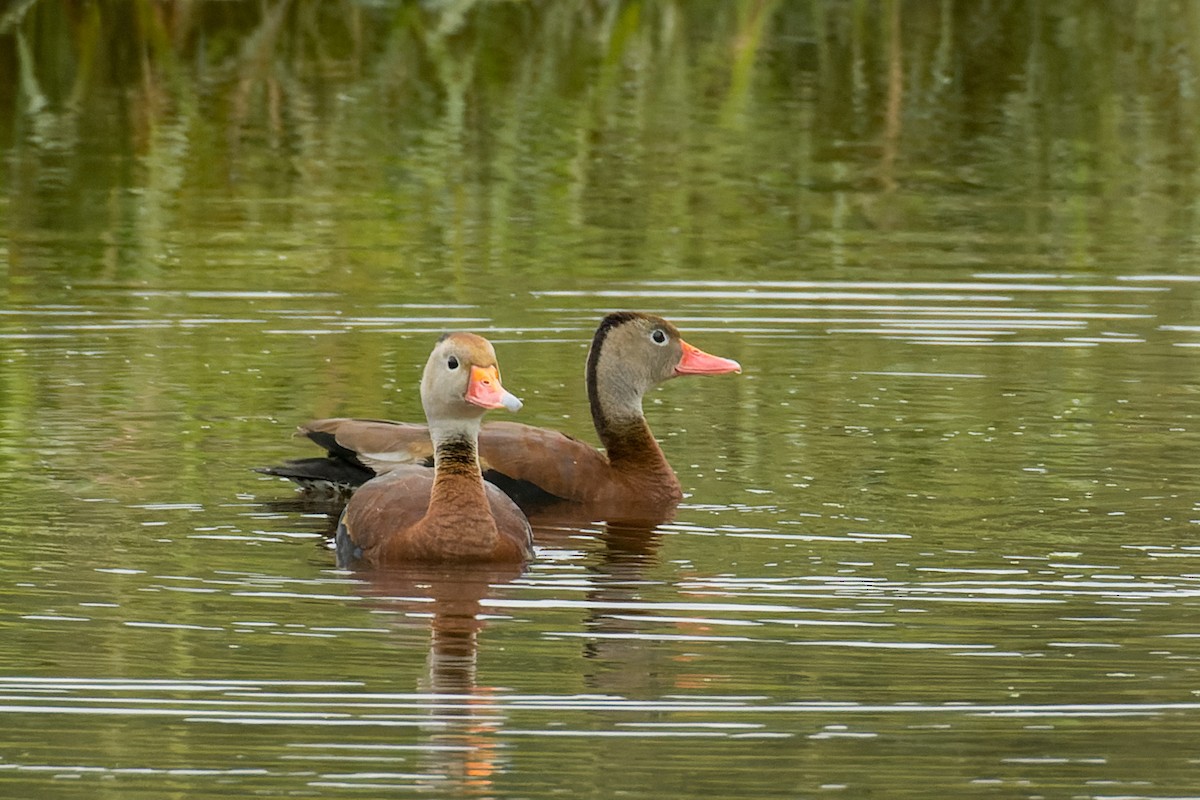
535 466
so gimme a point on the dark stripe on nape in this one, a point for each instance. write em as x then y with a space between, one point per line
613 320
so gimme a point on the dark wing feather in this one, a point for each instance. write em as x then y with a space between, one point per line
533 465
329 474
379 445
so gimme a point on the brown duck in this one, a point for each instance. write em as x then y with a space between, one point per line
414 515
550 475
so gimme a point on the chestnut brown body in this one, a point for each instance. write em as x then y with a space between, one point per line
551 475
414 515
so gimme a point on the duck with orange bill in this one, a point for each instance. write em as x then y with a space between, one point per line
414 515
551 475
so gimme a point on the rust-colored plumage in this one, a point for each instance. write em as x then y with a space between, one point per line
550 475
446 515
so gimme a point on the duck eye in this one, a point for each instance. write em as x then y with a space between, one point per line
658 336
452 362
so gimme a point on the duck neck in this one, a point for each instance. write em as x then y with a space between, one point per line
615 393
457 480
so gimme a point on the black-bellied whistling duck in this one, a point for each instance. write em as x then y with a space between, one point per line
549 474
414 515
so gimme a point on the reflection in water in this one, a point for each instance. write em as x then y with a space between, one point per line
618 663
464 718
619 579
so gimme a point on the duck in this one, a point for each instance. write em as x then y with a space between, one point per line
552 476
414 515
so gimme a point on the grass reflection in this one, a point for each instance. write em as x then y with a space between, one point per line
630 111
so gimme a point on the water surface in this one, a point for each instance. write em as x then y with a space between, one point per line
939 537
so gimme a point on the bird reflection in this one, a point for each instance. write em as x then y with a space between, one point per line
617 661
318 514
463 716
618 657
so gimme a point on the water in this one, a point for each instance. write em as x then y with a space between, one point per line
939 536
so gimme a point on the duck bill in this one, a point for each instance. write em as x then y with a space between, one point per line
485 391
697 362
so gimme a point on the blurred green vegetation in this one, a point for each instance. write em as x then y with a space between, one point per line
636 136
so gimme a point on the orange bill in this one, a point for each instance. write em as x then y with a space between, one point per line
485 391
697 362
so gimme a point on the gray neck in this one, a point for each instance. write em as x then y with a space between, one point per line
615 391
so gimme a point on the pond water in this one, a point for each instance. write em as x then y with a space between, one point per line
940 536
